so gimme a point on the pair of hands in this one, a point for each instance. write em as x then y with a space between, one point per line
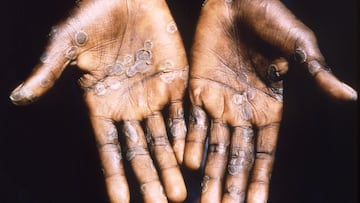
135 65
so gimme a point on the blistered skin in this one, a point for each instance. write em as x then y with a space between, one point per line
134 65
240 54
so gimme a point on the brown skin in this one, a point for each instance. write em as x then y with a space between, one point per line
134 65
240 53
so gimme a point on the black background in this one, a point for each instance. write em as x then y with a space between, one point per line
47 153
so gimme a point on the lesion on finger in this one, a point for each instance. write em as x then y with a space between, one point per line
241 154
153 189
143 166
218 143
235 193
206 181
22 96
81 38
111 158
131 130
114 167
177 128
157 142
219 148
133 152
198 118
314 67
198 122
240 160
215 166
175 121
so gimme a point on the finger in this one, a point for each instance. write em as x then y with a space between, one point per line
110 155
41 80
241 159
177 129
138 156
329 83
215 164
43 77
195 140
274 23
264 159
165 159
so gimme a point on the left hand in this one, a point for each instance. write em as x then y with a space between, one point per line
239 57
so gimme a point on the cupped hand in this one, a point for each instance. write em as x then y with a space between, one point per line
240 54
134 66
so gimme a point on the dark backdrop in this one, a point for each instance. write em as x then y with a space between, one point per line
47 153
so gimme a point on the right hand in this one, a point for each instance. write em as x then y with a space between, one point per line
134 65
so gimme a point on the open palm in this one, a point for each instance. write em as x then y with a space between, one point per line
134 65
239 57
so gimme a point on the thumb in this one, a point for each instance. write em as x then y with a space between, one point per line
59 53
329 84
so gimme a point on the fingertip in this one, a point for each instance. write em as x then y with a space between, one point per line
351 92
335 88
19 96
153 192
193 155
174 185
257 192
118 189
37 84
178 195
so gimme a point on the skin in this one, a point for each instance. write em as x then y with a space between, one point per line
135 65
239 56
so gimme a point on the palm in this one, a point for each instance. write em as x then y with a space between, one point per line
239 56
134 65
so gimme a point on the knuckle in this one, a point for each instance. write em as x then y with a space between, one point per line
235 193
198 117
240 160
220 148
206 181
131 153
265 155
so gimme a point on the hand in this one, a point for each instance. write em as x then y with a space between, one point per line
239 58
134 65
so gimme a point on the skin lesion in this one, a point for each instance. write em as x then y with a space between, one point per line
118 74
